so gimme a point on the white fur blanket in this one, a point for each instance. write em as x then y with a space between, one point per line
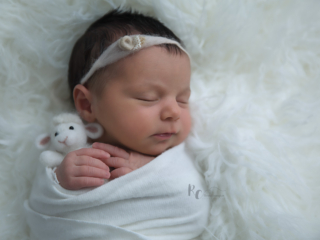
157 201
255 101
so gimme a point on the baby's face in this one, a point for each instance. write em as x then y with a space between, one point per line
144 104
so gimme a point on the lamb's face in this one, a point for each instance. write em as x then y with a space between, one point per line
68 137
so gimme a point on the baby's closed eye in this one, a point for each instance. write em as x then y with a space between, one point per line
183 99
147 99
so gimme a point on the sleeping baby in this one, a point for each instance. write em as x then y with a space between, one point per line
130 74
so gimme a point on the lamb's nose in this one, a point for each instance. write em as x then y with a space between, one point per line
64 140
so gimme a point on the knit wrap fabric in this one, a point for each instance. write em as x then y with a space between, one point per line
162 200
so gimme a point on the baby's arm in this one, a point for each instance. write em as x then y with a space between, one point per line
83 168
123 161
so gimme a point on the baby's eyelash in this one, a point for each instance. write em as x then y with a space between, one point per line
154 100
147 100
183 100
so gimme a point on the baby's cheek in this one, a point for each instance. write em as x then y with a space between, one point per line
140 123
186 126
187 122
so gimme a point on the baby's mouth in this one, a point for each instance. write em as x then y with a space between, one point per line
163 136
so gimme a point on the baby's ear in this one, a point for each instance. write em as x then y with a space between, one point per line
82 101
94 130
43 141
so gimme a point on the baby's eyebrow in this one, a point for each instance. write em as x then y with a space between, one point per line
156 85
145 86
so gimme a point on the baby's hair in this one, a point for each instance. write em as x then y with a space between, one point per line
104 32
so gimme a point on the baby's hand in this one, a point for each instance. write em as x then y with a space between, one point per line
83 168
123 161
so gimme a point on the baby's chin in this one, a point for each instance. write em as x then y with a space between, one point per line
154 152
157 149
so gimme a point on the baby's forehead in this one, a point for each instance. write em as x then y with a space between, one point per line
150 68
151 60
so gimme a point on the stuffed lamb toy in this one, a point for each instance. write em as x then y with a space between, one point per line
68 134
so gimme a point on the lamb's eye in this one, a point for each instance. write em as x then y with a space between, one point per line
56 134
71 127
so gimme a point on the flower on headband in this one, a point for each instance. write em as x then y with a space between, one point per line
128 43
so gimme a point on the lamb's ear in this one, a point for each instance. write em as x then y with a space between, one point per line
43 141
94 130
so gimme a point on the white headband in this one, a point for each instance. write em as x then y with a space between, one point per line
124 47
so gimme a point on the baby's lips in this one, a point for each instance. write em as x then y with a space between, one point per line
165 133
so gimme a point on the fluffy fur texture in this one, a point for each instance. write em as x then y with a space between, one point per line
67 118
255 101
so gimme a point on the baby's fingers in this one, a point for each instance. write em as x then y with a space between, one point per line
85 182
90 161
117 162
95 153
112 150
119 172
88 171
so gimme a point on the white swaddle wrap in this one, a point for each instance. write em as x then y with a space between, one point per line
156 201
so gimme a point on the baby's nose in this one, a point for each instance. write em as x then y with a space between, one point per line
171 111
